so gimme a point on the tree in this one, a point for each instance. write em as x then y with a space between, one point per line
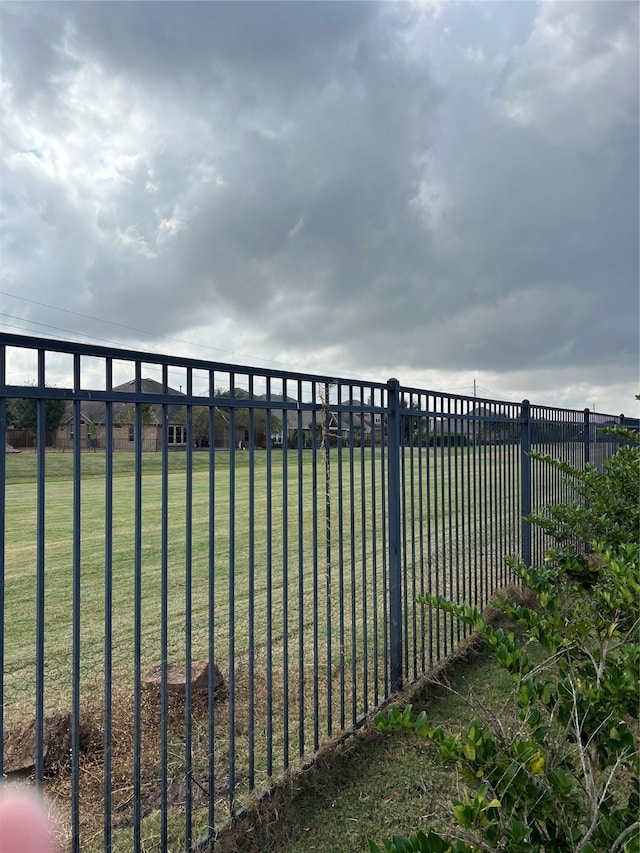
200 422
128 415
242 417
22 413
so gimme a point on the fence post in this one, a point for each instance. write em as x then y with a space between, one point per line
395 574
525 480
587 436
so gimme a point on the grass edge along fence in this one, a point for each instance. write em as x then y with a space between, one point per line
279 525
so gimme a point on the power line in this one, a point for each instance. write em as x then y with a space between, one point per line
248 359
55 328
151 367
501 394
130 329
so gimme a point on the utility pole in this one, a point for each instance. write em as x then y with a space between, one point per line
475 388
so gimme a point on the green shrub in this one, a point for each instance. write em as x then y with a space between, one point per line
561 772
607 508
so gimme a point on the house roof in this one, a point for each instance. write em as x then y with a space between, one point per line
94 411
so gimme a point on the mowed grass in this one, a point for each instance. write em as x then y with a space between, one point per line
278 534
308 629
272 542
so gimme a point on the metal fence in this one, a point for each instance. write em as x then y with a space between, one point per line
281 529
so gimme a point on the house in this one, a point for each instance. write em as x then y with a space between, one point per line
229 430
93 416
351 428
481 425
342 426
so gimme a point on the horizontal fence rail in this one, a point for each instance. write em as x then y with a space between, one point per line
208 570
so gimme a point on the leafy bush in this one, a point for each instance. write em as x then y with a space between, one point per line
607 510
562 772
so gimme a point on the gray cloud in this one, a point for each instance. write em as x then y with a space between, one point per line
356 181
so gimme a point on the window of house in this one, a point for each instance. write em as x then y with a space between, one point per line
177 435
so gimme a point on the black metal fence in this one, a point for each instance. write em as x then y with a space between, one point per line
279 528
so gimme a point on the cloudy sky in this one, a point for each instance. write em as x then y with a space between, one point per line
442 192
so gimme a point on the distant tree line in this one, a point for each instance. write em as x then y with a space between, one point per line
22 413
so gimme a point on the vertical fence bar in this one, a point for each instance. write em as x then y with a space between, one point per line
232 605
285 584
463 452
430 502
252 589
108 603
41 438
525 480
420 530
341 595
316 567
411 583
403 429
587 437
438 439
137 617
365 583
352 573
384 419
326 454
374 555
402 436
164 622
269 591
441 532
77 535
395 575
492 505
470 483
451 593
500 486
301 568
459 517
188 606
476 503
211 600
515 480
485 574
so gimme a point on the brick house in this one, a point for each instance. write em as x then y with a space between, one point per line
93 418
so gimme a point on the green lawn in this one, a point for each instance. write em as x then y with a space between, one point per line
331 613
382 784
445 547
